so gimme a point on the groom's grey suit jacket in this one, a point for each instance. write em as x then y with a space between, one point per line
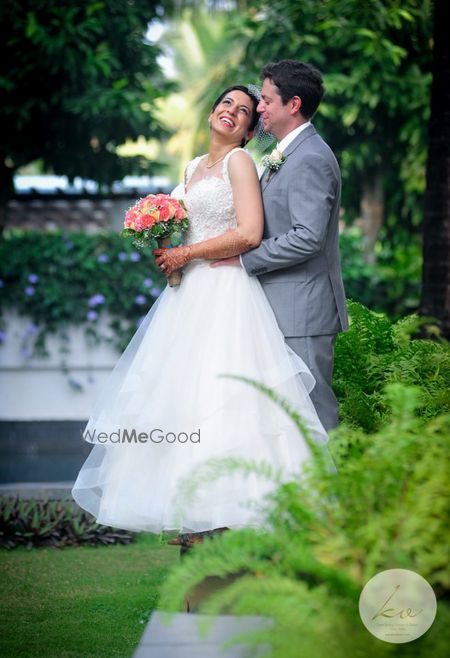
298 262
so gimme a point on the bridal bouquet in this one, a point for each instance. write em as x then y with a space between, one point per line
157 220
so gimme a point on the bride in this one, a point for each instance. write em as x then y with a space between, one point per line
166 409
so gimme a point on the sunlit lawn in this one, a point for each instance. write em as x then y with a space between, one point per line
82 602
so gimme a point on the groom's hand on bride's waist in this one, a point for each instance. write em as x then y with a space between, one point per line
234 260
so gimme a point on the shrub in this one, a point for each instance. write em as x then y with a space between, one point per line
61 279
375 352
36 523
385 507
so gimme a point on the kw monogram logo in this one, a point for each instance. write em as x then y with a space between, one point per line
397 605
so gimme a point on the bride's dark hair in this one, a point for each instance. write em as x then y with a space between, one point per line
255 116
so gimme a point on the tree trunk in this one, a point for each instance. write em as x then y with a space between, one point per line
6 191
372 213
435 300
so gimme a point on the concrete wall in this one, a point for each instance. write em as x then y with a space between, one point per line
71 212
37 388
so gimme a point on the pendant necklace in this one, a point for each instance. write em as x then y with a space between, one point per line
219 160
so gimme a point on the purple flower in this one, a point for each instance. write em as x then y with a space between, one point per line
97 299
122 255
155 292
135 257
76 384
26 352
148 283
33 278
140 299
91 316
2 336
103 258
31 330
29 291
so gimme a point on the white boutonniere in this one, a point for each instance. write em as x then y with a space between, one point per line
273 162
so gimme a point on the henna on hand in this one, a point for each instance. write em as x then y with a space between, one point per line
228 244
169 260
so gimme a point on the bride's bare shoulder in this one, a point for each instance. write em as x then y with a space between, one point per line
241 163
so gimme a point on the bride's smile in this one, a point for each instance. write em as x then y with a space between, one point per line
227 121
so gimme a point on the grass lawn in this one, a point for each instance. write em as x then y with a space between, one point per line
85 602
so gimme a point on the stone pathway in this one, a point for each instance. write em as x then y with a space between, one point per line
181 639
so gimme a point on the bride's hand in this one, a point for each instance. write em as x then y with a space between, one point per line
169 260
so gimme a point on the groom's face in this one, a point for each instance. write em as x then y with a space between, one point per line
276 116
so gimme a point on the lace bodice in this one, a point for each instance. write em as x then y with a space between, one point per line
209 202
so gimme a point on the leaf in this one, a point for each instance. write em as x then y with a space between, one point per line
127 233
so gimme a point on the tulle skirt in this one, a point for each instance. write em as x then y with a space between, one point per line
169 407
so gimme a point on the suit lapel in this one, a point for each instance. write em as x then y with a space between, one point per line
308 132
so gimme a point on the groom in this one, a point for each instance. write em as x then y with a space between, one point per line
298 262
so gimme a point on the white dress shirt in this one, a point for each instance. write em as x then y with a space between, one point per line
284 143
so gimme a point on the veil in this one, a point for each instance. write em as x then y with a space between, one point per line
261 139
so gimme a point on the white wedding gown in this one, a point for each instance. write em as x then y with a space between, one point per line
218 321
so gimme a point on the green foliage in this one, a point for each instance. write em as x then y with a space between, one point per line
374 353
56 523
385 506
376 59
62 279
76 80
392 283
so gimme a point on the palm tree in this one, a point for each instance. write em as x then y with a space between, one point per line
197 43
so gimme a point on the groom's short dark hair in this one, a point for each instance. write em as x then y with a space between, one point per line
294 78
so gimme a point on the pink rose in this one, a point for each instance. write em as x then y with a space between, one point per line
144 221
146 206
164 212
130 218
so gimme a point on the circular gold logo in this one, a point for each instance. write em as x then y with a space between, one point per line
397 605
